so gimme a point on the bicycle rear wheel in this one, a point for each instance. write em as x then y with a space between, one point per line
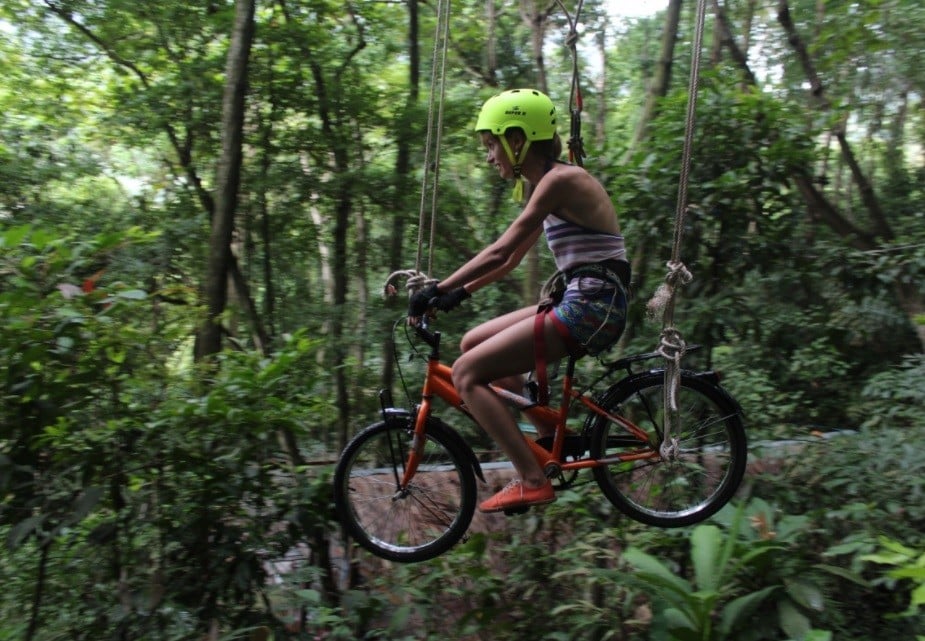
412 523
698 479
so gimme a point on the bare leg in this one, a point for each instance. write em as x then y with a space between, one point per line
506 353
515 382
480 333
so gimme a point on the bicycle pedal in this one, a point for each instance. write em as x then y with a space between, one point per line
515 511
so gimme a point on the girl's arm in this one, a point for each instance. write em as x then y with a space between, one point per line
503 255
512 262
499 258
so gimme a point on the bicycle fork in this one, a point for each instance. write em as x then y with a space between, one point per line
411 459
406 460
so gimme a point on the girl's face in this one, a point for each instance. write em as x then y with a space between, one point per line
496 156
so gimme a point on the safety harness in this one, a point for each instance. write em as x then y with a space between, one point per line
614 272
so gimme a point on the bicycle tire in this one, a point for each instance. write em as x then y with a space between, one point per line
416 523
710 462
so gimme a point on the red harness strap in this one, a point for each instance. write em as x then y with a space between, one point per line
539 352
539 347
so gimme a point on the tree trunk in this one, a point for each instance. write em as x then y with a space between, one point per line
600 120
866 190
658 86
401 202
537 20
339 317
227 181
343 206
491 51
263 222
910 299
340 144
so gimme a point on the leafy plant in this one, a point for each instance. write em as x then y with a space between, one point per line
895 397
722 599
136 497
906 563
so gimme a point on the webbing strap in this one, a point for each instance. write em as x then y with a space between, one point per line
539 354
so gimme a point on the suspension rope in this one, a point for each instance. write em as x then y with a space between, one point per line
415 279
432 144
576 149
672 346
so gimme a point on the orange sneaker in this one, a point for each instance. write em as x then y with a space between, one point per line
516 495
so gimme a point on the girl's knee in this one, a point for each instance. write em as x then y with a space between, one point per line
460 378
469 340
464 375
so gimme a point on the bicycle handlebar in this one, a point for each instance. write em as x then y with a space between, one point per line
423 331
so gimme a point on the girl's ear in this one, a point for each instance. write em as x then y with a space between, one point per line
515 135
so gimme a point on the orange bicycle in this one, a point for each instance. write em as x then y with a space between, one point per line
405 487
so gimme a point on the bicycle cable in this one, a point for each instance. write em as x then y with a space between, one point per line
397 360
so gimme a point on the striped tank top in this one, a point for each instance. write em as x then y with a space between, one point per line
573 245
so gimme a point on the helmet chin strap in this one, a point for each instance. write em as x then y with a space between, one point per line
516 164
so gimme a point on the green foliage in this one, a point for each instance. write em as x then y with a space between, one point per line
157 498
734 574
851 490
905 563
150 492
894 397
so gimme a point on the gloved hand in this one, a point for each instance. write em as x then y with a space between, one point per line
430 297
451 300
421 301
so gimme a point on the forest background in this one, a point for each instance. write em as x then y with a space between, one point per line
200 203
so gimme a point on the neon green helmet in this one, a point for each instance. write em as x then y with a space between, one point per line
528 109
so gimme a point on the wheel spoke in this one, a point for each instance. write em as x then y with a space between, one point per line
413 523
691 481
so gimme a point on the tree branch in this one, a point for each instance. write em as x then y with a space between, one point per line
817 89
818 205
182 150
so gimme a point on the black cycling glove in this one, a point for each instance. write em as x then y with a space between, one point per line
429 297
420 301
451 300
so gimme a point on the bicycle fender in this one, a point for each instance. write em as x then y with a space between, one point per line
708 376
401 416
712 378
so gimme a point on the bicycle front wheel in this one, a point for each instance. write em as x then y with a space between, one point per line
696 477
412 523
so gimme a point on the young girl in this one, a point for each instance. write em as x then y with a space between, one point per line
518 130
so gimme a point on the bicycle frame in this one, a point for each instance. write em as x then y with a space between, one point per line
438 382
405 486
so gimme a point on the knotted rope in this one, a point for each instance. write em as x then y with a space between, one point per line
415 278
576 148
414 282
671 344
